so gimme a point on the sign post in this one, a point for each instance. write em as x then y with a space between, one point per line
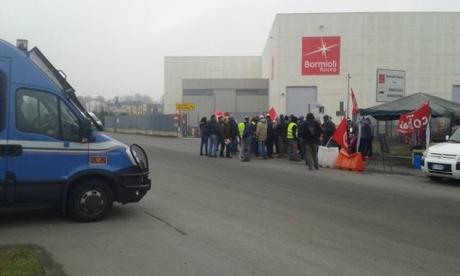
184 109
185 106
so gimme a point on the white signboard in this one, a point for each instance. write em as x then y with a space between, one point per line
391 85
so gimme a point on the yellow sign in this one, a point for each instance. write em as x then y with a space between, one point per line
185 106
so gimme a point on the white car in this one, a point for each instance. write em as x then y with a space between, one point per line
443 160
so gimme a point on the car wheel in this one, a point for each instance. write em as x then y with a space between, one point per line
435 178
90 201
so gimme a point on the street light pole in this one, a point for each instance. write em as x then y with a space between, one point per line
348 95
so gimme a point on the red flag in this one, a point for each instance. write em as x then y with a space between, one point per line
272 113
340 134
354 102
415 120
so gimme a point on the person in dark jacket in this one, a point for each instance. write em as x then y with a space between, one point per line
276 136
300 147
204 136
328 129
371 138
270 136
220 121
311 134
281 130
254 146
233 134
246 138
213 131
366 134
225 138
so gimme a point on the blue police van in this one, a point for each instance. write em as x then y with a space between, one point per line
50 149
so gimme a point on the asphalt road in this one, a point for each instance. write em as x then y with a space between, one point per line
268 217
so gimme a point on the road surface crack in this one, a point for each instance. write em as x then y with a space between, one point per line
166 223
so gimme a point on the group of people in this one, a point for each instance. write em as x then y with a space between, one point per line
262 137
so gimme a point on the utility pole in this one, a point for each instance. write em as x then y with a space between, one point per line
348 95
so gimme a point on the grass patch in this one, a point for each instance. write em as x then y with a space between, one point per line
20 261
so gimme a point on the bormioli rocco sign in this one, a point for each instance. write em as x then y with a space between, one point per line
321 55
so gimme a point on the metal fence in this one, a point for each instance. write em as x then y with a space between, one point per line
184 125
193 118
163 123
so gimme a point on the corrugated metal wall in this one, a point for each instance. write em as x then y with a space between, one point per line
240 97
142 122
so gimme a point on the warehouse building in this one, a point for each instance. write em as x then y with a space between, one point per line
307 59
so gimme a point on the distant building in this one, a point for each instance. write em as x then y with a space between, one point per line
133 108
307 57
96 106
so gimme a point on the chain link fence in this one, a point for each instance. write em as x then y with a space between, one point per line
163 125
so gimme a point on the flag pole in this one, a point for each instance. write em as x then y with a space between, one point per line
348 96
348 110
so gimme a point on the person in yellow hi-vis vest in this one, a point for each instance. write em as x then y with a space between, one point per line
292 139
241 127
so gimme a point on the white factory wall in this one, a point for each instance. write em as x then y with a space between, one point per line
425 45
179 68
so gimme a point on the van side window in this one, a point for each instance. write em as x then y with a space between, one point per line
70 126
37 112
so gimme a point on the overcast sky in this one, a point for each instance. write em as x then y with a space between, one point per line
116 47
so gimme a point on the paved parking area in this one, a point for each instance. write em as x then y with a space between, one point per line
268 217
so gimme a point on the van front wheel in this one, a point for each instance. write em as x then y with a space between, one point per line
90 201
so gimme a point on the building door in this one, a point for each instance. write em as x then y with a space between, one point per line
225 100
300 100
456 93
251 102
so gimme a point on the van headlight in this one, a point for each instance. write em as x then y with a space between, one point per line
140 157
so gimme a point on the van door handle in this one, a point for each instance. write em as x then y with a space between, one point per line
14 150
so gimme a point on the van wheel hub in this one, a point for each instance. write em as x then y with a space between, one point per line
92 202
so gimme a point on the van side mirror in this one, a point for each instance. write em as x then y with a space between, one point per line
85 129
99 125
